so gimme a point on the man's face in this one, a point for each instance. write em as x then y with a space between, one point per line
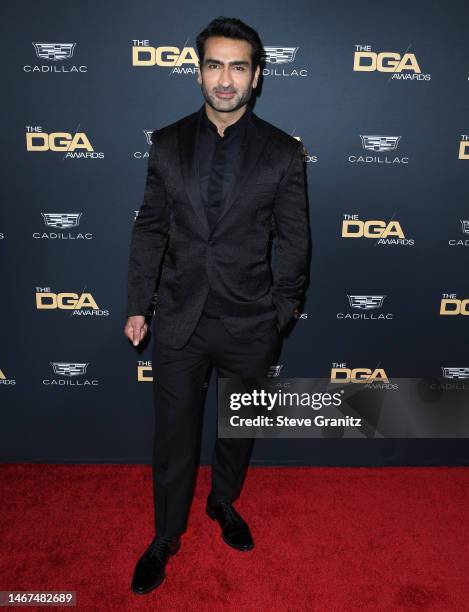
225 74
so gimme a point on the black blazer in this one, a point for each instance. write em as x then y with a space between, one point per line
172 250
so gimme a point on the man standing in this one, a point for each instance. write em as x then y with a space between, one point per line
219 182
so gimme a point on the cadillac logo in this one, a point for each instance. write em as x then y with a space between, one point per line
366 302
54 51
279 55
69 369
380 143
62 220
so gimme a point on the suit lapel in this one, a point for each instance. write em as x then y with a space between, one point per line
251 149
188 134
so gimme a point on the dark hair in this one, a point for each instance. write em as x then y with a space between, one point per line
230 27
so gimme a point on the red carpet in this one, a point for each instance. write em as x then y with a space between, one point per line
327 539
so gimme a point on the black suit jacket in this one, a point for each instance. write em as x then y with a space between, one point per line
173 251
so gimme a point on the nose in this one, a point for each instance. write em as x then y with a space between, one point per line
226 79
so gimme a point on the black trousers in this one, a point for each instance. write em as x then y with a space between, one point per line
178 378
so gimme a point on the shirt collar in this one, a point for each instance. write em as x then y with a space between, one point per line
235 127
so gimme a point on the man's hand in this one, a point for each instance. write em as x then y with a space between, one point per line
135 329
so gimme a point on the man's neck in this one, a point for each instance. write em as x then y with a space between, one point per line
223 120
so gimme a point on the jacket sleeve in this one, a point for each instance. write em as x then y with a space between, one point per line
148 241
291 239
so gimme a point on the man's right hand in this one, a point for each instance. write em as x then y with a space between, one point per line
135 329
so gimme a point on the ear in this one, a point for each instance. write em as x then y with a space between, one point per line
199 77
256 77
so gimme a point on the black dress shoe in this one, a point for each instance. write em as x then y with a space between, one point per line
235 530
150 569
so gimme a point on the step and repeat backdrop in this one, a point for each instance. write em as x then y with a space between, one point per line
377 94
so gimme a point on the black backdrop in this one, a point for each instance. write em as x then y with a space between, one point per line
377 93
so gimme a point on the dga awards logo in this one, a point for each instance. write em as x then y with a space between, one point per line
5 380
373 378
278 60
77 304
75 145
379 144
69 374
363 307
307 158
181 60
300 315
62 221
464 147
452 306
387 233
399 66
461 242
144 371
56 56
144 154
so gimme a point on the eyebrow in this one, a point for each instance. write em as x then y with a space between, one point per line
209 60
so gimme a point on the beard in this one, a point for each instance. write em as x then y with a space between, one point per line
227 106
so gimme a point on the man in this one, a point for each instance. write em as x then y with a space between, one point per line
219 181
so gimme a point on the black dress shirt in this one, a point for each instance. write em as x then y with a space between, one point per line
217 158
